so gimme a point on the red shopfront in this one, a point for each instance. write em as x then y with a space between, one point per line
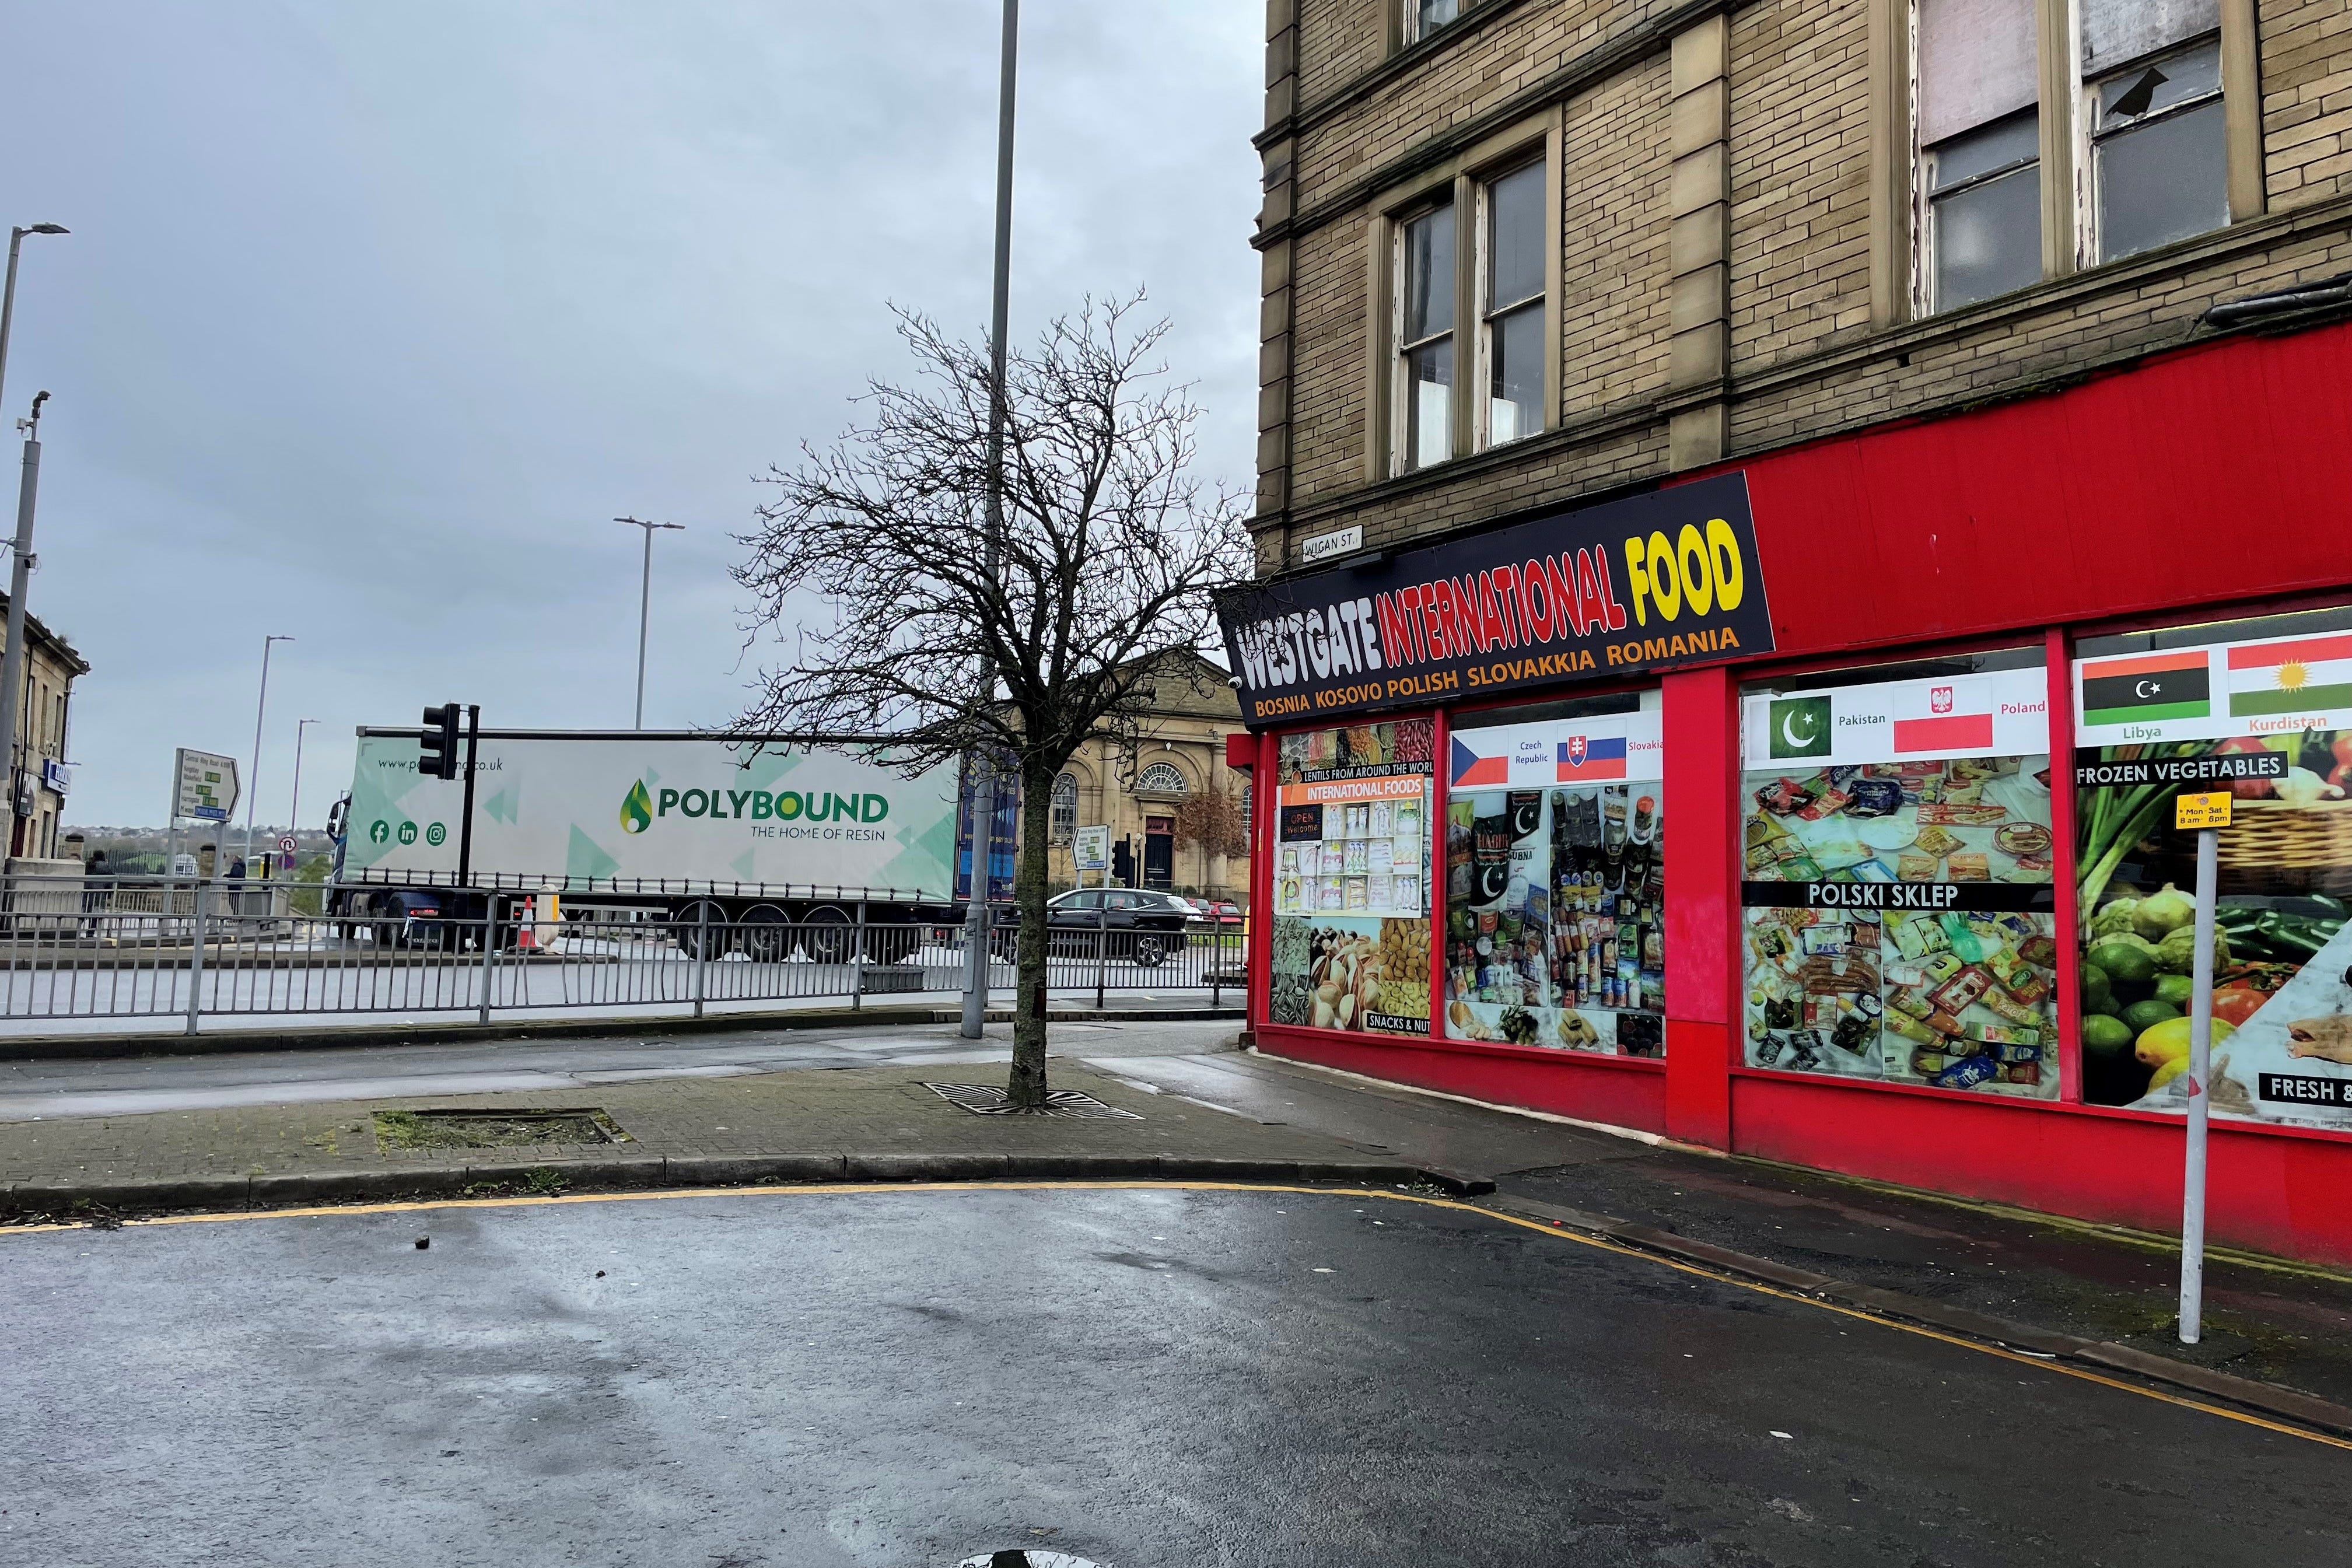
1815 809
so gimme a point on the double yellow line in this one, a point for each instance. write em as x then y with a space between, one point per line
1540 1227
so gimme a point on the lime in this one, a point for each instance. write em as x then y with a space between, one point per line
2125 961
2175 989
2145 1016
2104 1036
2096 988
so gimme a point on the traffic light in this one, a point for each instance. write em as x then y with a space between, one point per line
437 756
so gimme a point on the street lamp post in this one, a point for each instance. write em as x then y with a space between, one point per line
645 605
983 766
294 811
12 667
252 784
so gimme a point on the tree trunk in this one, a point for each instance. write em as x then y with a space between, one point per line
1027 1085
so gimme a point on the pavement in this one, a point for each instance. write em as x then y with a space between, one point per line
1142 1377
295 1128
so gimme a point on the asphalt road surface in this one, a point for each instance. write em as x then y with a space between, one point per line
1141 1378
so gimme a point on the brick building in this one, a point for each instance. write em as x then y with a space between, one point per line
1953 393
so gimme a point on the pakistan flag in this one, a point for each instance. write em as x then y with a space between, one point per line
1799 727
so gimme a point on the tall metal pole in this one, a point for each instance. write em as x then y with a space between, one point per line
646 606
252 784
12 667
983 799
8 292
2201 1084
293 812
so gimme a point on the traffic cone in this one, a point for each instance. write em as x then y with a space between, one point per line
526 931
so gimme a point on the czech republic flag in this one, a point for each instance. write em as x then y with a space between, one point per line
1472 770
1594 757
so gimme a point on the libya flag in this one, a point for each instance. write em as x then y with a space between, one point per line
1799 727
2146 687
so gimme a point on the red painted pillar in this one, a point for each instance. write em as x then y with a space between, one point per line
1702 791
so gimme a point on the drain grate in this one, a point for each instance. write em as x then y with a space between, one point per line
494 1129
1032 1558
988 1100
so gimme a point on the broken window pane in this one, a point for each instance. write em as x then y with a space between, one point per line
2163 181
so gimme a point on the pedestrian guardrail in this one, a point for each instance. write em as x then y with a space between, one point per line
80 952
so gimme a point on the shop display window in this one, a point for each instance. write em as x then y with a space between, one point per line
1351 865
2262 707
1898 899
1555 876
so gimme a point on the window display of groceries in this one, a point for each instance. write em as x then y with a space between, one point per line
2270 719
1356 847
1351 859
1897 885
1554 932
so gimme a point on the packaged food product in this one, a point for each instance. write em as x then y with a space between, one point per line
1969 866
1916 867
1936 841
2020 838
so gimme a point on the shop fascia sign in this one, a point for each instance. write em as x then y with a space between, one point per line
1655 582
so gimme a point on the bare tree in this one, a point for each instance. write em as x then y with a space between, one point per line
1108 551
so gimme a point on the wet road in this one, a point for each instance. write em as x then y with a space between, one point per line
1146 1379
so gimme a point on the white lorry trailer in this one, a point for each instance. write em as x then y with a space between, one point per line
739 835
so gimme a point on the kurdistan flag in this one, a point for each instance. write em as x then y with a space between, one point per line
2301 675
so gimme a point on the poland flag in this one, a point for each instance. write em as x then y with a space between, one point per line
1953 717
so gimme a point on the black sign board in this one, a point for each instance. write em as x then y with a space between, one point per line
2302 1088
2129 773
1925 898
1301 823
1655 582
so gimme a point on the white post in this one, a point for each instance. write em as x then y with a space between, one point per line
2200 1051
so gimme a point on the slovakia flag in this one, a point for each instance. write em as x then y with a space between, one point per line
1591 758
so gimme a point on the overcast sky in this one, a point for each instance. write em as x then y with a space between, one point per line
374 315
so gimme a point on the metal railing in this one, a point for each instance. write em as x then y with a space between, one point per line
80 953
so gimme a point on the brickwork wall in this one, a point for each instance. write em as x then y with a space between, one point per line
1614 157
1457 85
1804 362
1339 40
1800 177
2009 351
2306 49
1331 395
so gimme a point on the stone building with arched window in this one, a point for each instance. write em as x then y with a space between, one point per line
1176 813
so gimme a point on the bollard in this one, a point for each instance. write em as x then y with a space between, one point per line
196 954
857 962
1102 951
489 953
701 951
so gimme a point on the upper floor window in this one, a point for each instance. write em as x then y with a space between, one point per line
1980 150
1422 17
1160 778
1511 305
2160 161
2140 121
1424 336
1064 807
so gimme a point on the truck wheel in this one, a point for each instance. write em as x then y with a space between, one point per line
826 934
765 933
700 930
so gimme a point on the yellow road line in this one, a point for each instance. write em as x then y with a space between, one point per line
1541 1228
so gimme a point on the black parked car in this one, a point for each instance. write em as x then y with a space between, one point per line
1139 926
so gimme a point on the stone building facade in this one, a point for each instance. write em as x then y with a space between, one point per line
1755 225
43 721
1141 795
